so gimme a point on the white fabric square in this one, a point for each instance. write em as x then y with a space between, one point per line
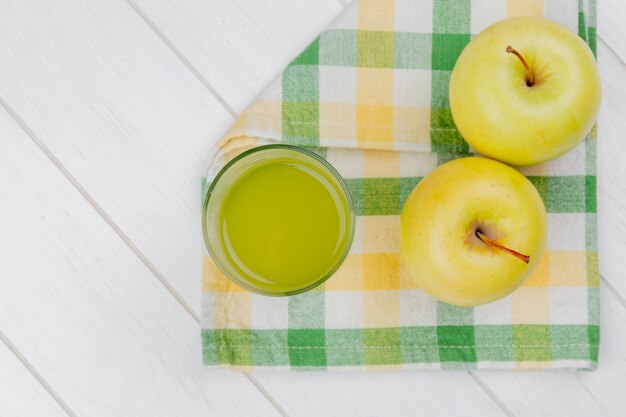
572 163
485 13
269 312
568 305
207 319
564 12
496 365
344 309
498 312
417 164
566 231
417 309
411 88
530 305
349 162
357 241
329 143
414 16
337 84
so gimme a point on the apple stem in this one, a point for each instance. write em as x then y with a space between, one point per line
521 257
530 79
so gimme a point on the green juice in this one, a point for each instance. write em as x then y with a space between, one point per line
283 223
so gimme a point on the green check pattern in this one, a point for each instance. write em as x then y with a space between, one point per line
370 94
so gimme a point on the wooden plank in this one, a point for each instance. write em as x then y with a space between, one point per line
611 17
20 393
128 120
612 170
86 312
410 393
240 46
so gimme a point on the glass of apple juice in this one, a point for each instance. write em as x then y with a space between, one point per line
278 220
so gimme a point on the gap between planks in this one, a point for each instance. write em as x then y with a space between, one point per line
605 282
612 51
153 26
35 374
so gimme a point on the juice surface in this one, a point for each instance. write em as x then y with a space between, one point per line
284 225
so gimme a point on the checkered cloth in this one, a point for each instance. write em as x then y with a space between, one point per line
370 94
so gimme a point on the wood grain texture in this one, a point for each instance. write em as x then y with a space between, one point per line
240 46
612 170
409 393
128 120
611 16
87 313
20 393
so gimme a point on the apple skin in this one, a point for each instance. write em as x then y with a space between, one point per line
438 244
503 118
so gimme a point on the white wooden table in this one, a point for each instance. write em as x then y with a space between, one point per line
107 112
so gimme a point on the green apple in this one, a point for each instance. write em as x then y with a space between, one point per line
525 90
472 231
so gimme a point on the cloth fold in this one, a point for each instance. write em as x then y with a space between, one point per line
370 94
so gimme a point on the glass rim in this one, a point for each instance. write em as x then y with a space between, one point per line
333 171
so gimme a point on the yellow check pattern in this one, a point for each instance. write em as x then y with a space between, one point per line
370 96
